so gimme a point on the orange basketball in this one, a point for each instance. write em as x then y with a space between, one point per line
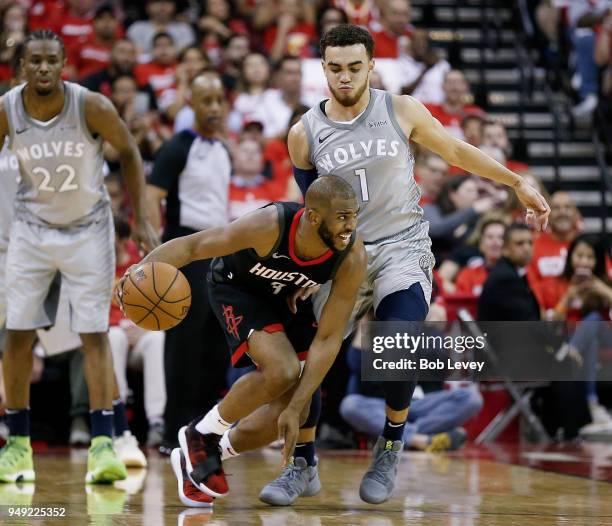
156 296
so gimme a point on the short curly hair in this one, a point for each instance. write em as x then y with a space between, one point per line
347 35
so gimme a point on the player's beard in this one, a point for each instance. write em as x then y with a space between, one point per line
327 237
348 100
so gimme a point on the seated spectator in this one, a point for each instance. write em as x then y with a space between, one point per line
550 249
455 213
257 102
472 125
585 16
455 105
13 29
422 70
160 73
122 62
142 124
364 13
233 53
132 346
430 172
116 192
92 53
292 32
161 20
192 61
586 294
392 34
40 12
494 135
73 21
506 295
489 233
328 17
249 189
216 25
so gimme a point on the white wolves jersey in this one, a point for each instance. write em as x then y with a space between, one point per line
373 155
60 162
9 175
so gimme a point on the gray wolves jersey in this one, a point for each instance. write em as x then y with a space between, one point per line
373 155
9 176
60 163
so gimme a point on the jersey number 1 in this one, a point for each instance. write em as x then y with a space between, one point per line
363 183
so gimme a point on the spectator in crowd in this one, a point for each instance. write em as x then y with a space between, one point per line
422 70
257 102
392 35
472 125
249 189
550 249
117 195
364 13
455 104
13 28
603 58
234 51
160 73
585 294
161 20
489 238
143 125
494 135
122 62
506 295
192 61
430 172
480 253
291 34
192 173
73 21
92 53
584 17
216 25
453 216
134 347
328 17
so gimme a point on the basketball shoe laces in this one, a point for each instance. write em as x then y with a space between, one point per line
382 465
290 477
12 453
102 449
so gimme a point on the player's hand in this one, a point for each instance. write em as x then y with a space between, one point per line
119 286
300 294
288 429
145 236
537 207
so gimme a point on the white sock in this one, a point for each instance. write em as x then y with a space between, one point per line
227 451
213 423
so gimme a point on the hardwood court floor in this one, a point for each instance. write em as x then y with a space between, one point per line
431 490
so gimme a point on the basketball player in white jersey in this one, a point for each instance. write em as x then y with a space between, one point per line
62 224
362 135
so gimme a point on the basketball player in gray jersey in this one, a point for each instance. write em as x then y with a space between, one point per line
362 135
62 224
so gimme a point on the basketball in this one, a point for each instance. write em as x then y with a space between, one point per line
156 296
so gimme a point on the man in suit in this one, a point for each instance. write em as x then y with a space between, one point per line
506 295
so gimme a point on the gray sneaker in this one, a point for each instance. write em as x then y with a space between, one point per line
378 482
297 480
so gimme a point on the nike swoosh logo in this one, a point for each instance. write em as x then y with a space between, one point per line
322 139
21 131
276 255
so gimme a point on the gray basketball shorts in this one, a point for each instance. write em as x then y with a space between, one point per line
394 263
84 257
2 288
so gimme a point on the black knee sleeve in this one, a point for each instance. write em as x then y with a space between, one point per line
398 394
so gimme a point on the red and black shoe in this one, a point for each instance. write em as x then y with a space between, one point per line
203 460
187 492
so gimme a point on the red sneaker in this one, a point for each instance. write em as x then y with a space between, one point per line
203 460
187 492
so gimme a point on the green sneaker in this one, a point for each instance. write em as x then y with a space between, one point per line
103 465
16 460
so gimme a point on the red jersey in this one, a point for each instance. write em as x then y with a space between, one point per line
298 39
115 312
245 199
547 264
41 11
89 56
470 280
388 45
277 154
162 80
452 121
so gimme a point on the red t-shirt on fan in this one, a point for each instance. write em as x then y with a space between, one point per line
452 121
89 57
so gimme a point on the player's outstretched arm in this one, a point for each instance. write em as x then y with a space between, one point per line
327 341
427 131
102 119
258 230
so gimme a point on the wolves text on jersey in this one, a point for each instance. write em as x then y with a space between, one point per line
354 151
